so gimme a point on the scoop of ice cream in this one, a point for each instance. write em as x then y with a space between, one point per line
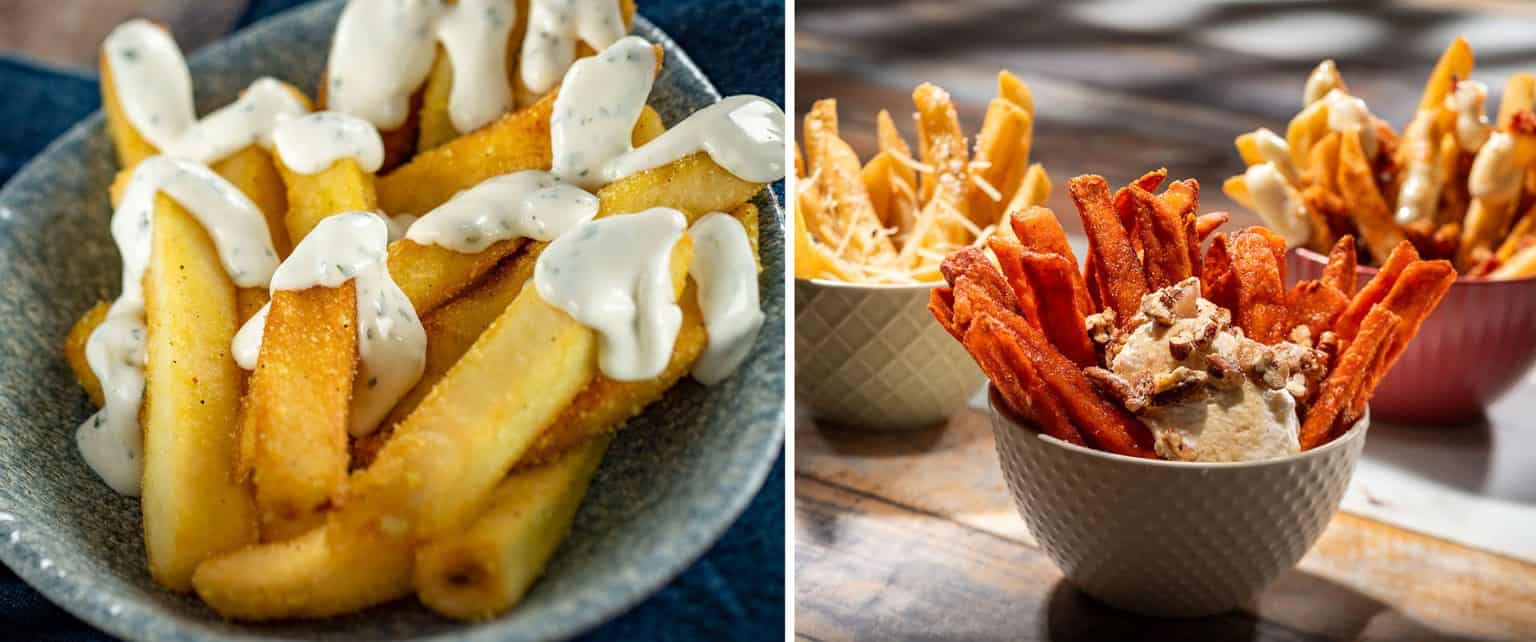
1207 392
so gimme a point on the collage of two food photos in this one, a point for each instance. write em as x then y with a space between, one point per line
824 320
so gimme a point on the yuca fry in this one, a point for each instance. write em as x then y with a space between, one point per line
435 123
74 350
131 146
293 427
489 567
848 221
1348 377
341 187
1260 309
517 141
193 506
1124 281
1357 183
940 143
1034 190
1002 151
434 475
1340 271
254 171
1375 290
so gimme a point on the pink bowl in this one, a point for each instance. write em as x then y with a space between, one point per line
1469 352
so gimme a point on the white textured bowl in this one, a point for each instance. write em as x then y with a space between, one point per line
1171 539
873 357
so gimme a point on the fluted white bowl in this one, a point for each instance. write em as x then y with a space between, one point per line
873 357
1164 538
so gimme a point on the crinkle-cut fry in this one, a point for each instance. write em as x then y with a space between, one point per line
1455 64
1207 224
1340 271
1051 280
1260 309
1038 230
1315 305
1009 369
1033 191
1375 290
1415 294
74 350
489 567
1002 153
1104 424
434 475
1520 265
321 573
1357 184
193 506
293 423
1519 95
1218 283
1123 279
516 141
1348 378
342 187
940 142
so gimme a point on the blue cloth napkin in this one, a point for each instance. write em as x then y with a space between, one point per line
734 592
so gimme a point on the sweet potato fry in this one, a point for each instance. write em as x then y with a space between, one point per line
1413 297
1207 224
1357 184
1161 224
1010 258
1051 279
1149 181
1340 271
941 302
1217 281
1010 370
1375 290
972 263
294 419
1124 282
1348 378
1260 309
1315 305
1038 230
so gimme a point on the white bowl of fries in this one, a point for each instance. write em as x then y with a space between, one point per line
869 239
1164 538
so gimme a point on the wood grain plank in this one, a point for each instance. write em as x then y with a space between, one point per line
1362 580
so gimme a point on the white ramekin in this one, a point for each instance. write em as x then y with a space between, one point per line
1171 539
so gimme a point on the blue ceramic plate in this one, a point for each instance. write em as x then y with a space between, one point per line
670 486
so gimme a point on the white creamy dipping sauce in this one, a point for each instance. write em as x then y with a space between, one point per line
554 26
725 272
383 52
1347 113
310 143
527 204
1467 101
392 344
111 441
1275 151
155 90
614 275
1278 203
601 99
1495 176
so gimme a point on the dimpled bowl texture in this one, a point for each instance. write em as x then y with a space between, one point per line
1470 351
873 357
669 487
1170 539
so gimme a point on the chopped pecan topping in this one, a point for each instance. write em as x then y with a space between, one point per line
1101 327
1327 347
1184 340
1267 371
1134 397
1225 373
1178 384
1170 445
1302 335
1158 306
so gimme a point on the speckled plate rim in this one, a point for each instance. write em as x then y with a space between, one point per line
127 619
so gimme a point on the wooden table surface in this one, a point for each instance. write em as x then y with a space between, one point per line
915 536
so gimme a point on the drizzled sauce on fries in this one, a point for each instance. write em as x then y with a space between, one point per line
155 90
308 144
391 342
554 26
111 440
726 275
529 204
